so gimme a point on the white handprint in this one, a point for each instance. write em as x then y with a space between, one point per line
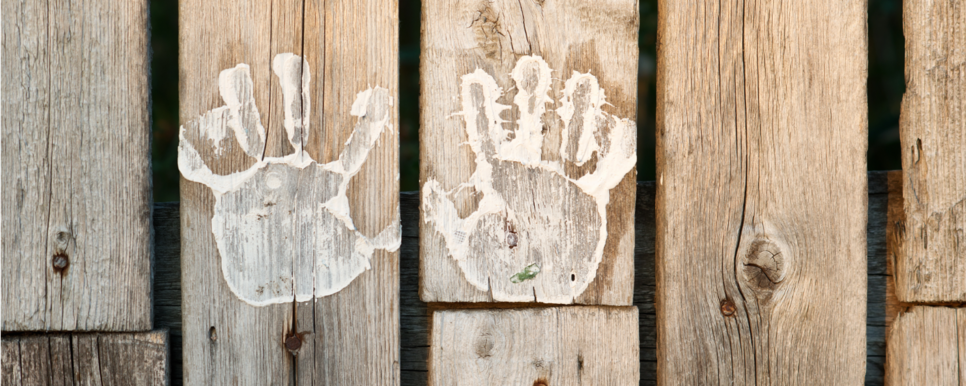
282 225
517 244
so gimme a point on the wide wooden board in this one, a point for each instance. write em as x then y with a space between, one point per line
927 346
76 166
932 265
93 359
539 346
290 265
527 150
761 196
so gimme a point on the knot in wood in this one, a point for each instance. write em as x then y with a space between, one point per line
540 382
762 266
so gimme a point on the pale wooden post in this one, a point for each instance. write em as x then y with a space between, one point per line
761 197
289 211
932 265
76 167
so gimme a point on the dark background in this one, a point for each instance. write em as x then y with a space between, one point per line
885 88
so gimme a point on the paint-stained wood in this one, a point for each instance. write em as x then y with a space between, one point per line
86 359
295 102
761 197
538 346
415 315
76 203
932 267
528 147
927 346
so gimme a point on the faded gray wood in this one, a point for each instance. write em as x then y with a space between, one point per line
538 346
761 197
927 346
86 359
230 333
514 211
76 203
931 267
415 314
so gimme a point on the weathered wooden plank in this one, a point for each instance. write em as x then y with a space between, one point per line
927 346
415 315
539 346
289 207
76 166
527 170
86 359
761 197
931 267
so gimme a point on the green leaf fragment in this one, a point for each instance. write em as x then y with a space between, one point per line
528 273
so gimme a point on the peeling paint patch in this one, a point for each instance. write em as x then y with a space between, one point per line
530 213
283 226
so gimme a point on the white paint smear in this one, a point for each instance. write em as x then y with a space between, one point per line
283 226
518 245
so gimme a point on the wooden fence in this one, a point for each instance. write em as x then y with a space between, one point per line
763 254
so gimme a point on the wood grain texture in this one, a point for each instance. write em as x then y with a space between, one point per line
351 336
536 231
86 359
931 267
761 200
885 195
927 346
76 166
539 346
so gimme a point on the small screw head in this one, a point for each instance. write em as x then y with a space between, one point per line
511 239
728 307
60 261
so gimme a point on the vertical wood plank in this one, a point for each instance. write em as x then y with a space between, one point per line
289 211
931 268
86 359
528 147
545 346
76 166
761 197
925 347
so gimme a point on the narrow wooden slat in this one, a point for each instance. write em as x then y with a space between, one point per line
76 166
528 148
931 267
289 212
538 346
415 315
86 359
761 197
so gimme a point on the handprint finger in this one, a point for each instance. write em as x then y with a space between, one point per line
293 75
373 107
481 112
532 77
236 88
580 112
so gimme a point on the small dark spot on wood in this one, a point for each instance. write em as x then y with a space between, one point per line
484 346
728 307
293 343
511 239
212 334
573 277
60 262
540 382
540 2
580 363
918 149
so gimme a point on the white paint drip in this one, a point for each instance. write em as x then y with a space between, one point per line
542 231
283 227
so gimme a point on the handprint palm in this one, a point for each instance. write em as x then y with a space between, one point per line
283 226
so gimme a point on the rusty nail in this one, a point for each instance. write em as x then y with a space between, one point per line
293 343
728 307
60 261
511 239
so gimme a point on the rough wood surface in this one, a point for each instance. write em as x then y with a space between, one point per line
86 359
76 166
415 314
539 346
528 148
927 346
932 267
293 101
761 197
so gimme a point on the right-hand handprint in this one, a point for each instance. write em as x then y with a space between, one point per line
535 232
282 225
